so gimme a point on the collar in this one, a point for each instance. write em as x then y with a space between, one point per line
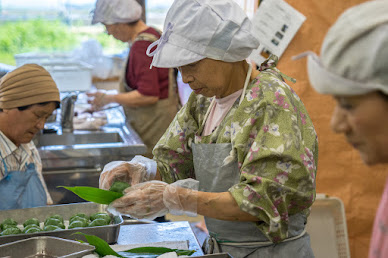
7 147
224 100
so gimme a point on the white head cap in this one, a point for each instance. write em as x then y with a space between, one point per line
198 29
354 53
116 11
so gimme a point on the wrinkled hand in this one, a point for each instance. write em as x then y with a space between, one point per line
132 173
143 201
98 99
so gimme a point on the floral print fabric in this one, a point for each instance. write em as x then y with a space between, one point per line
274 143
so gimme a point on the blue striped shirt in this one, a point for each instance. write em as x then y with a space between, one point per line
16 158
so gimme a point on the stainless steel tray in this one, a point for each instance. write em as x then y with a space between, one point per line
45 247
109 233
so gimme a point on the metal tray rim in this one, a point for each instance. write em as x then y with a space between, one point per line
86 248
118 220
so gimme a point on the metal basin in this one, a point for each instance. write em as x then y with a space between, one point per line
69 139
77 158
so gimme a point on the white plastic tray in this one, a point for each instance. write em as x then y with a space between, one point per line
68 73
70 76
327 228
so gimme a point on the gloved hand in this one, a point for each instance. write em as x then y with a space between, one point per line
156 198
138 170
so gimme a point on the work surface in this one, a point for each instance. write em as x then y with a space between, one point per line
159 232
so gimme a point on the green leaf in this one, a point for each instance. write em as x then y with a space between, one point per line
184 252
149 250
102 247
93 194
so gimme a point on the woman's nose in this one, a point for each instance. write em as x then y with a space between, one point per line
187 78
41 123
339 123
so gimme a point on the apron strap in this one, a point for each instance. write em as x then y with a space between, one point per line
145 36
212 246
260 244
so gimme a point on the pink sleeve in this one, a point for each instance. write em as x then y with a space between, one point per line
379 242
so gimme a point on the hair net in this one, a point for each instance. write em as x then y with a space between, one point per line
354 53
198 29
29 84
116 11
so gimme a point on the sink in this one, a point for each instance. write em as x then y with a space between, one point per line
70 139
77 158
87 149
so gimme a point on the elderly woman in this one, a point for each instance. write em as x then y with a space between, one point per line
353 67
28 96
244 135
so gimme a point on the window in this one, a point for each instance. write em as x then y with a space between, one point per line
49 26
156 11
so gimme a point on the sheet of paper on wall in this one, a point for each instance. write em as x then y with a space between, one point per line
275 24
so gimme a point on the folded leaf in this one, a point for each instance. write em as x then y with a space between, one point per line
102 247
93 194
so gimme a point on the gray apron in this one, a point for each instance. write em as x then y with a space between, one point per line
150 122
241 239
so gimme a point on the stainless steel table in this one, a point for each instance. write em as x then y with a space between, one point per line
159 232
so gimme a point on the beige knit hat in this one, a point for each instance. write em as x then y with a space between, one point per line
27 85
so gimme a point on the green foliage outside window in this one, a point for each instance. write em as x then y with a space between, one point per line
48 36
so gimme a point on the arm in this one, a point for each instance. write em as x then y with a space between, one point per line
220 206
214 205
131 99
146 82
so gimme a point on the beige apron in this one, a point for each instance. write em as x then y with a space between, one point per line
150 122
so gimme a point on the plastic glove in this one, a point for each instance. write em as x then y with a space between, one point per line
87 121
184 203
156 198
138 170
98 99
144 200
